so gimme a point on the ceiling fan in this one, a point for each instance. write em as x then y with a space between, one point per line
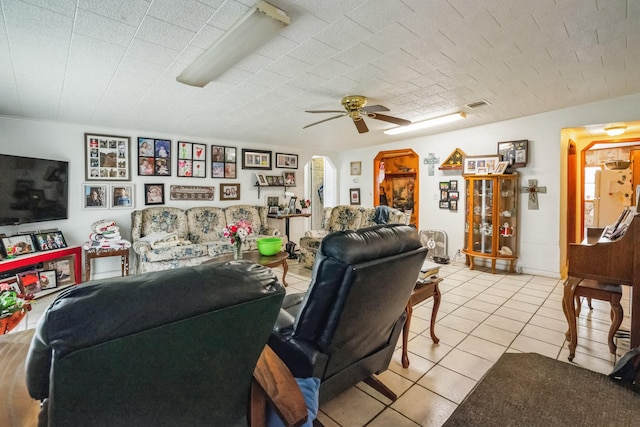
355 106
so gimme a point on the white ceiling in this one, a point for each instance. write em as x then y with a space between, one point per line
114 63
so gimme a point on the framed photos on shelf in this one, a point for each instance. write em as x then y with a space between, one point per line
501 167
229 191
154 194
107 157
480 165
292 204
49 240
48 279
64 270
20 244
29 281
192 160
261 180
256 159
286 161
223 161
154 157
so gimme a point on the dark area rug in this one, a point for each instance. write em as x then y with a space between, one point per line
527 389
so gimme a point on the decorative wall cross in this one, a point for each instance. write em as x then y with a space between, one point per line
431 160
533 191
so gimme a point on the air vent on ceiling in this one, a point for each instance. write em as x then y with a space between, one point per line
477 104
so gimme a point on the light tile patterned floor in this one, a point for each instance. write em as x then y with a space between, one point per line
482 315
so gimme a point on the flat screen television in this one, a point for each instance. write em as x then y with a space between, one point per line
32 190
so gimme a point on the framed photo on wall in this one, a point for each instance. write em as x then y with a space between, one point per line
154 157
121 196
223 161
154 194
516 153
107 157
256 159
286 161
355 168
229 191
192 160
95 196
354 194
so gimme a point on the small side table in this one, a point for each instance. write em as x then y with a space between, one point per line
92 253
421 292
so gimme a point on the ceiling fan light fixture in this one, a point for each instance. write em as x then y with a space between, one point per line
436 121
615 130
255 28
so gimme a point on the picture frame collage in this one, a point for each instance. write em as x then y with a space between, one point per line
449 195
192 160
107 157
223 161
154 157
112 196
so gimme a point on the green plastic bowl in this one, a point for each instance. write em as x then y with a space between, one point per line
268 246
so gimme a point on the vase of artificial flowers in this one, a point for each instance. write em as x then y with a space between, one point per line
304 205
238 233
13 307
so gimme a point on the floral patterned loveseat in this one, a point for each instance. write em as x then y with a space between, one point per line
340 218
167 237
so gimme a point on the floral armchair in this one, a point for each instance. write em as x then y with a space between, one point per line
167 237
341 218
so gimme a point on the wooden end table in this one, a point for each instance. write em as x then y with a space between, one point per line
421 292
92 253
256 257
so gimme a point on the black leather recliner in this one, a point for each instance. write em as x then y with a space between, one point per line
170 348
345 327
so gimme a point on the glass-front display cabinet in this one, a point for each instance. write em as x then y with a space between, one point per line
491 219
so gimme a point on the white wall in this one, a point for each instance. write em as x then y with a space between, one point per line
539 229
63 141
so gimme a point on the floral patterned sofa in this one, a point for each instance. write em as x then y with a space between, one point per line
165 237
340 218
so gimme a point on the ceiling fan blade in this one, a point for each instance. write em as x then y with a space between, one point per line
375 108
390 119
324 111
325 120
361 125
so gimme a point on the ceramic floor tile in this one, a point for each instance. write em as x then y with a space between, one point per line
396 382
534 292
458 323
557 313
504 323
481 306
521 306
471 314
418 366
448 336
530 345
493 299
588 362
424 407
354 407
424 347
493 334
482 348
510 313
466 364
452 298
447 383
544 334
391 417
537 301
500 292
507 286
549 323
462 292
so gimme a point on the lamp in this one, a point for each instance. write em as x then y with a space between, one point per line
427 123
260 23
615 130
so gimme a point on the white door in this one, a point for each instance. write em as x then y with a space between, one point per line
613 193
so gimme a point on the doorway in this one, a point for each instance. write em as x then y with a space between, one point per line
397 182
321 175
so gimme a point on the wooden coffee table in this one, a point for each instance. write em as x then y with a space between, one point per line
421 292
256 257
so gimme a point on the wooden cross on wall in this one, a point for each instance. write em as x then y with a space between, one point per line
533 191
431 160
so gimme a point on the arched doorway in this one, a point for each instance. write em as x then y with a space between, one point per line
397 177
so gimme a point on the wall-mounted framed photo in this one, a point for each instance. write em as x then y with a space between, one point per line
444 185
479 165
154 194
453 205
515 153
192 160
121 196
256 159
154 157
444 204
223 161
453 185
273 201
49 241
354 196
454 195
107 157
356 168
95 196
290 179
229 191
286 161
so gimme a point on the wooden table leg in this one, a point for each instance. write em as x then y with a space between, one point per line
405 335
493 266
569 310
434 314
285 268
87 267
616 320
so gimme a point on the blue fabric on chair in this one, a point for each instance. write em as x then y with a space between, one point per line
381 215
309 388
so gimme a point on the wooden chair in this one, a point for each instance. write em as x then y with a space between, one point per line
592 289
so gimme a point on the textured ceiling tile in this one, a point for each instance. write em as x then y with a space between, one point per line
228 14
151 53
289 66
105 29
206 36
378 14
343 34
329 10
253 63
330 67
164 34
277 47
188 55
394 59
430 16
127 11
268 78
65 7
302 27
191 14
358 55
365 72
313 52
392 37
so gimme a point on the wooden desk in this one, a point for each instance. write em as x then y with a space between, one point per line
256 257
92 253
421 292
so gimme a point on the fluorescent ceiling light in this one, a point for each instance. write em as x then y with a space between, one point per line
615 130
427 123
262 22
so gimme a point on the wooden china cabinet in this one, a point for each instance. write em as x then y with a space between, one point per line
491 219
